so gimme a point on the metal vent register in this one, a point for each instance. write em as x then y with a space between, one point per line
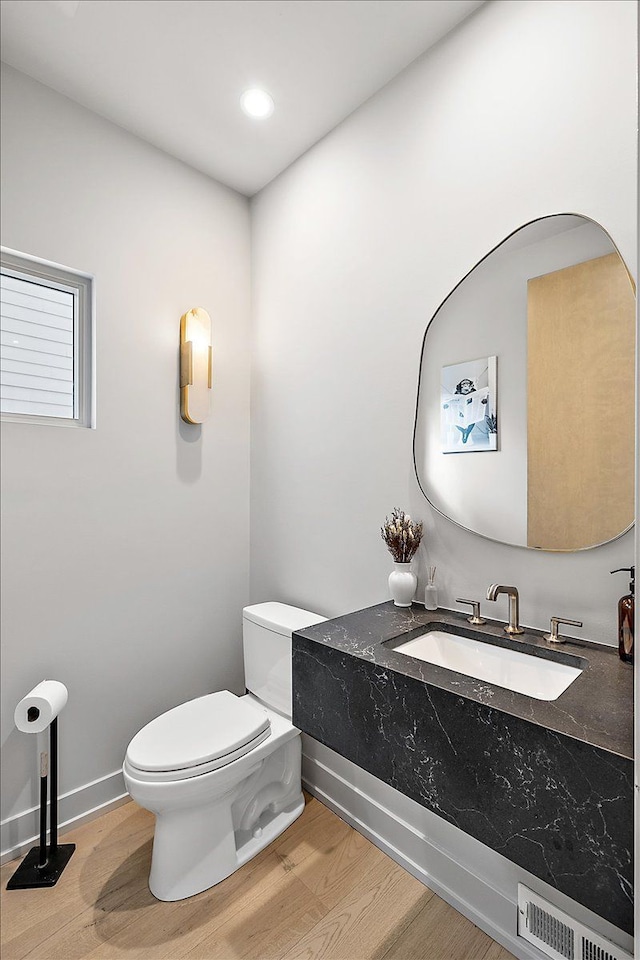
559 935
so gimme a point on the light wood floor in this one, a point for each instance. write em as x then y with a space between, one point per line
320 891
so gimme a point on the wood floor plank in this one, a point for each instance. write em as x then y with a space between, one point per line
331 873
329 856
497 952
173 930
71 932
306 837
117 834
321 890
119 844
440 933
272 924
381 905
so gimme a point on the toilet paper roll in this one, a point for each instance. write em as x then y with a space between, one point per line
35 712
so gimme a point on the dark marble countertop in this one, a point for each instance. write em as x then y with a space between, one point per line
597 708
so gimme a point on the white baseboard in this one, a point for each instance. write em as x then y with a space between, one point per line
478 882
22 831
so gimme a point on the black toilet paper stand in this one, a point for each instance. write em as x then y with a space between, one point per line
43 864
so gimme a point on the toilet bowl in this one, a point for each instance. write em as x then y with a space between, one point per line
221 773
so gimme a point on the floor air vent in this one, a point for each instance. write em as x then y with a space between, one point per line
559 935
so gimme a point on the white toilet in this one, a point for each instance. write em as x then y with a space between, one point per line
222 773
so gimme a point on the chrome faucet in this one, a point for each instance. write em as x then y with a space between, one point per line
514 605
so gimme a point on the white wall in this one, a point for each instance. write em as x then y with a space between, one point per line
527 109
125 548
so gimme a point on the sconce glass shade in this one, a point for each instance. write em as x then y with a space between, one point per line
195 365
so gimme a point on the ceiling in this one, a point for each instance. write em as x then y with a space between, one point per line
172 71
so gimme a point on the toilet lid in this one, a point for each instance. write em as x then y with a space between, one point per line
210 730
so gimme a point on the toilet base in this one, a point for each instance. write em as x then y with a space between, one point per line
196 854
271 829
202 839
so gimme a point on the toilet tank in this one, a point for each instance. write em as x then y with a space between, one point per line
266 635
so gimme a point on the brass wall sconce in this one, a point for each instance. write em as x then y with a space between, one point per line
195 365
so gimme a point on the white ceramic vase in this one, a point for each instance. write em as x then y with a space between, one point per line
402 584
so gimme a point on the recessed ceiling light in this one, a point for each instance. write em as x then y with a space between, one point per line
256 103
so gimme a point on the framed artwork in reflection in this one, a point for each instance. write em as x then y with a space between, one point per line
468 408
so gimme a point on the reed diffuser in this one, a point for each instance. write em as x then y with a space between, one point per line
431 591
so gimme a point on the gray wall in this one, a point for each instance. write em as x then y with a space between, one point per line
527 109
125 548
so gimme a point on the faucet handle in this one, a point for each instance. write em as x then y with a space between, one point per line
475 604
553 636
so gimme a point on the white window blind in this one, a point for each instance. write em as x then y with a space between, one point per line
37 349
44 331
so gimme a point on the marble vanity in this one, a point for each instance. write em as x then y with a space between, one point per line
547 784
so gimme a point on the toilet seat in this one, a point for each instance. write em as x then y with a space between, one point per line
198 736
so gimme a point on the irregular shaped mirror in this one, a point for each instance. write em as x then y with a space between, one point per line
524 428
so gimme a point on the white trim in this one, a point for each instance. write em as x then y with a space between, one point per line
52 264
20 832
478 882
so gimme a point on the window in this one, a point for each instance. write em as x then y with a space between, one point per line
45 351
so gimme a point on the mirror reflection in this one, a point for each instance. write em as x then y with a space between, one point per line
525 416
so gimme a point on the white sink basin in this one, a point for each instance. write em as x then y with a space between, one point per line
534 676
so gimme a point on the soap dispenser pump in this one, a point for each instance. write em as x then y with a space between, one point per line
626 607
